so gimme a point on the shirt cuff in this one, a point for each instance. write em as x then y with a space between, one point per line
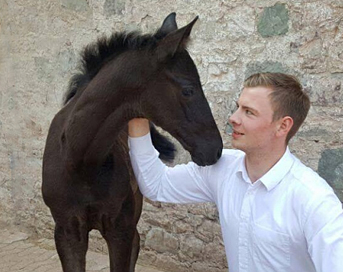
141 145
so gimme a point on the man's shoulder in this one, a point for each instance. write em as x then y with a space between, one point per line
308 181
312 196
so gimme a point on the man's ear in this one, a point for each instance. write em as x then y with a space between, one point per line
284 126
175 40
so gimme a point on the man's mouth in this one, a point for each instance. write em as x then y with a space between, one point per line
237 133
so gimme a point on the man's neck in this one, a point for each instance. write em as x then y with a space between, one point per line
259 163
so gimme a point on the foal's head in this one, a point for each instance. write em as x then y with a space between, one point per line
153 76
173 97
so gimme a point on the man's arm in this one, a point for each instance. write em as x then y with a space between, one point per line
324 233
138 127
179 184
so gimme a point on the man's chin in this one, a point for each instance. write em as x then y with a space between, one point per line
236 145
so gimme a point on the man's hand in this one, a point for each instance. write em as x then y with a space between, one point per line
138 127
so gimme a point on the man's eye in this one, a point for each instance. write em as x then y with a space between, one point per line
235 107
188 91
248 112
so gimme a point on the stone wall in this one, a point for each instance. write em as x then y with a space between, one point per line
39 46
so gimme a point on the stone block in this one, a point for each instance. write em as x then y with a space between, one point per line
264 67
315 134
180 226
273 21
191 247
330 167
114 7
208 230
162 241
214 252
76 5
241 23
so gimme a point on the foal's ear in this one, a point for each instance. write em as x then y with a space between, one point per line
168 25
175 40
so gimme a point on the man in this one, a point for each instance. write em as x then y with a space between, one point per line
276 214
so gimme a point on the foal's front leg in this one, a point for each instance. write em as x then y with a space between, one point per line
71 238
118 233
136 240
134 251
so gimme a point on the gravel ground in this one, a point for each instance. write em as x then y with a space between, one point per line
20 253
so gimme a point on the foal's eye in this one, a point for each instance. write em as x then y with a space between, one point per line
188 91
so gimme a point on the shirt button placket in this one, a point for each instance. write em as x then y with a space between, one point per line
244 231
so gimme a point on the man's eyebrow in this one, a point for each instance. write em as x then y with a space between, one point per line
246 107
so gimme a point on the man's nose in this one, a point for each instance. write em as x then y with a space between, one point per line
233 119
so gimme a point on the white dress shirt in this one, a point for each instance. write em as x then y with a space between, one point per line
288 220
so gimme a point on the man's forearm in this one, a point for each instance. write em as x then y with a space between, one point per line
138 127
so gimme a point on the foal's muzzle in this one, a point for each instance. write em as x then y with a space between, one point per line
207 158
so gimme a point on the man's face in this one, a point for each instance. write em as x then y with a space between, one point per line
252 122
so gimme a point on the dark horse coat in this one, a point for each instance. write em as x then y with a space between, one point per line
88 182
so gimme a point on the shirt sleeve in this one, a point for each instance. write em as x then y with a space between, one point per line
324 233
184 183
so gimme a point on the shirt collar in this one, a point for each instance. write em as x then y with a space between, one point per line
274 175
278 171
242 170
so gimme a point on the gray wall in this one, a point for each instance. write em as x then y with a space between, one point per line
39 46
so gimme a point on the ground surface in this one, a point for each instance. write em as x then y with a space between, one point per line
20 253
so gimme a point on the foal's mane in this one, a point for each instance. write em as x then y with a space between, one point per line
96 54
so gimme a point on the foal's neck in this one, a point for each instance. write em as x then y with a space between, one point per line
100 113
